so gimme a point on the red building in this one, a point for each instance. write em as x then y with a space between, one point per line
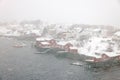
67 47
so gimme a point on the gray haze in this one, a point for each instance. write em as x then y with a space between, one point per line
98 12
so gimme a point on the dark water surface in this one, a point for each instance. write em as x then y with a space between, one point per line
23 64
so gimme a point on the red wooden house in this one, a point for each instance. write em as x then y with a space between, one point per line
67 47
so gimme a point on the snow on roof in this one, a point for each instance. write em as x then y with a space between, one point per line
42 39
44 43
110 54
73 47
65 42
62 43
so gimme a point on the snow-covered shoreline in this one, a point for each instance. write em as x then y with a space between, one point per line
89 40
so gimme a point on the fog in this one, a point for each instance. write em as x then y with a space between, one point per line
98 12
59 39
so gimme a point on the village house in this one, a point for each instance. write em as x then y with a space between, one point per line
101 49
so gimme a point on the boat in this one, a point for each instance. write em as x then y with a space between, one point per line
62 51
77 63
39 52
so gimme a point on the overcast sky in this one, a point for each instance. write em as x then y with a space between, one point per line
100 12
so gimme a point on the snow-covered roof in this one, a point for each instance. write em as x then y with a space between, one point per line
62 43
42 39
111 54
73 47
44 43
